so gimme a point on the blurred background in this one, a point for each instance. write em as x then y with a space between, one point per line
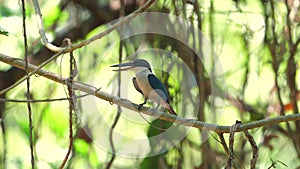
249 71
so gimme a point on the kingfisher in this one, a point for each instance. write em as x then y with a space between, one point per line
147 83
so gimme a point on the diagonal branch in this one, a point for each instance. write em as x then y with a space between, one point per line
152 112
223 142
54 48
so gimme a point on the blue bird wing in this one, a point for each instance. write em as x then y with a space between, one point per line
157 85
136 86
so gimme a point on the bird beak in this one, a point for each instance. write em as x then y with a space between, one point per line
128 65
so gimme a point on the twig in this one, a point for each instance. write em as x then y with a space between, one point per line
41 100
54 48
28 86
111 142
223 142
41 28
72 102
274 163
152 112
233 129
254 148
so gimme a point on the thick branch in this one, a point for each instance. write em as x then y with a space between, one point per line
152 112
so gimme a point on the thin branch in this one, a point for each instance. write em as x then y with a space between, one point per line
152 112
54 48
111 142
72 102
254 149
41 28
28 86
41 100
223 142
274 163
233 129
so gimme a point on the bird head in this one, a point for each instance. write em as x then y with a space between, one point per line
136 65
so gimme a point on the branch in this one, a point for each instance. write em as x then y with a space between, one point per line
151 112
254 149
231 143
223 142
41 28
40 100
72 103
30 125
54 48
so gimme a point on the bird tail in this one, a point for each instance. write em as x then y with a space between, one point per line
171 110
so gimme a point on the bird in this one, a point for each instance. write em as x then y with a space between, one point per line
146 83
